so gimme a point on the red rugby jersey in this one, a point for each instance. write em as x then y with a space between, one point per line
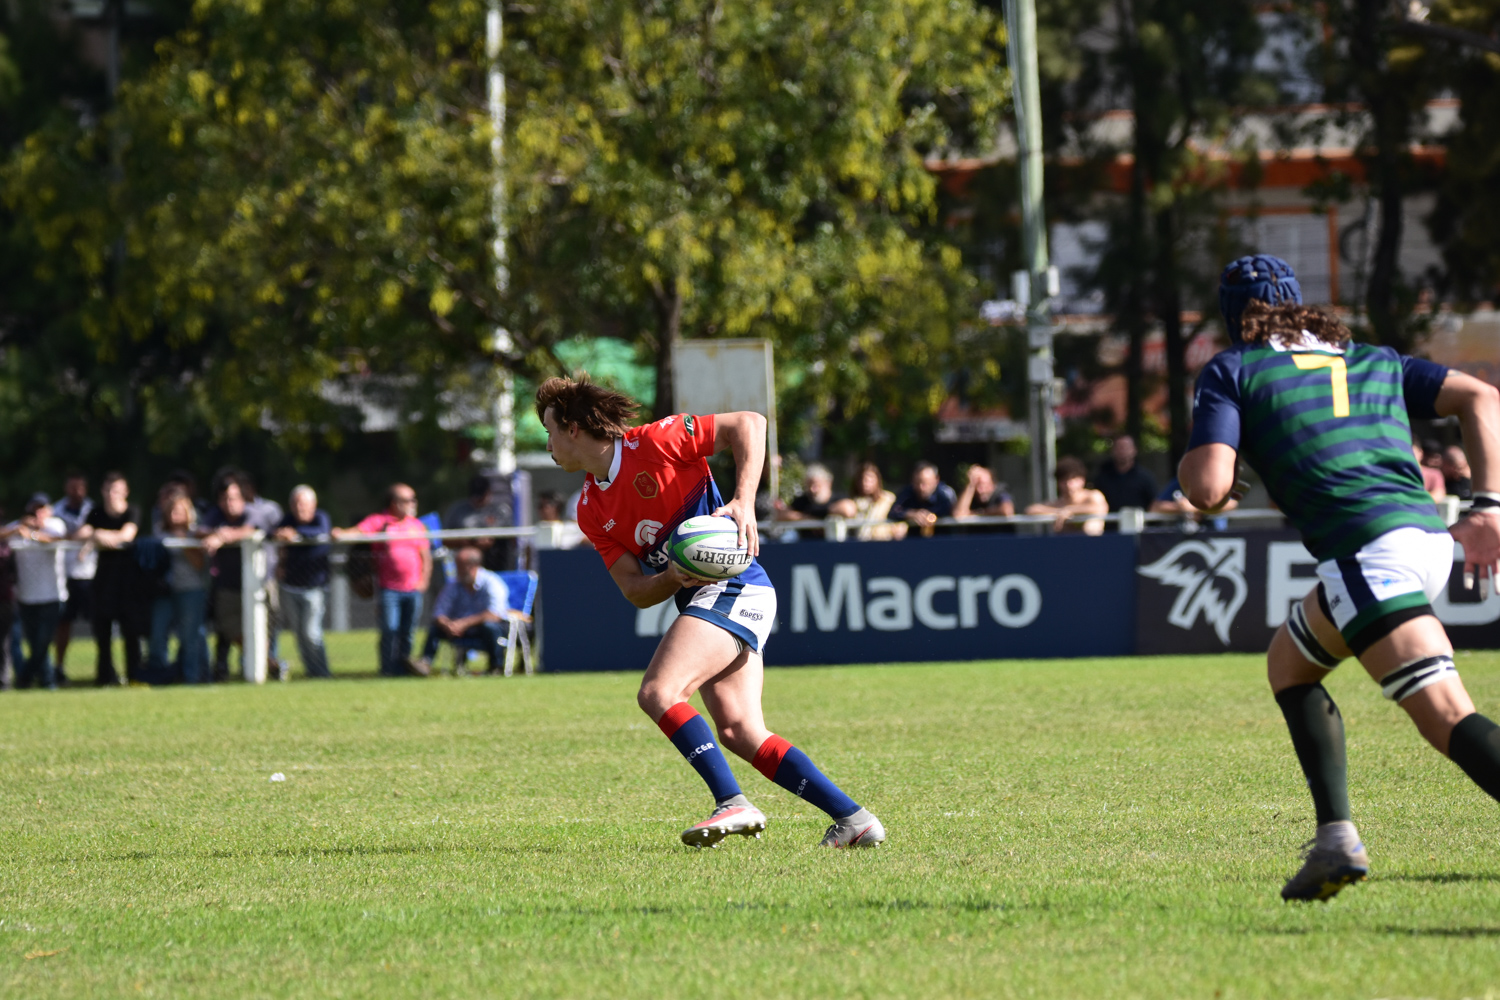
658 479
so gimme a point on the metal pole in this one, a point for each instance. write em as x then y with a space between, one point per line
505 397
1040 279
254 621
338 591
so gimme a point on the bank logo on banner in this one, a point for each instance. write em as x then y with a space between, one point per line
1210 577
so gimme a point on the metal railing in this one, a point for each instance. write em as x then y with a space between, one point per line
255 609
254 604
1130 520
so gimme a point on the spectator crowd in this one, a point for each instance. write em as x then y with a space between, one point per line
167 581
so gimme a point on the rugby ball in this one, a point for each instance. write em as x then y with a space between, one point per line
708 547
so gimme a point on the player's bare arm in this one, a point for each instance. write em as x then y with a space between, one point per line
648 590
1476 404
1207 476
743 433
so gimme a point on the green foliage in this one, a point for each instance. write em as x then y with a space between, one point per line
298 194
1185 69
1466 222
751 169
1084 828
301 195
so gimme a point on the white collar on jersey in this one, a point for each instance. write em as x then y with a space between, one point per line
614 466
1304 342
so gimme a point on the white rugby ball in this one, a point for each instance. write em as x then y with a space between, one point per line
708 547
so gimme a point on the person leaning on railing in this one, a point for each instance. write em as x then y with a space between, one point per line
1172 501
111 527
225 526
41 587
182 599
817 501
982 498
925 501
870 502
403 567
303 570
1073 498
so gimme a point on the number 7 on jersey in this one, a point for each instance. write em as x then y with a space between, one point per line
1338 372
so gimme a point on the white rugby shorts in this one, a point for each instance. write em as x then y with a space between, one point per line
1390 580
745 611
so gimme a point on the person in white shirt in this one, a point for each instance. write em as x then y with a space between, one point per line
81 564
41 587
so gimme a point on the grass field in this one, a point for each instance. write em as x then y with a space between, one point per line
1090 828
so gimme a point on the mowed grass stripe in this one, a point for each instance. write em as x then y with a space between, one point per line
1058 828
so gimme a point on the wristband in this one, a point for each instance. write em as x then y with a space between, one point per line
1485 501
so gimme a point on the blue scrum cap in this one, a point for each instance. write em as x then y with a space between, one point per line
1259 276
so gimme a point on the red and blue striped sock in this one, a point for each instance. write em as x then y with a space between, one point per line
791 769
695 741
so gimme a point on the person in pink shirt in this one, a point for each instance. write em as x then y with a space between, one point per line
402 568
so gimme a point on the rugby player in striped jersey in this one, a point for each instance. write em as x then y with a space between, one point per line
1325 423
640 483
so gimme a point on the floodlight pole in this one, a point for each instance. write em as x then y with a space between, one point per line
1034 286
505 397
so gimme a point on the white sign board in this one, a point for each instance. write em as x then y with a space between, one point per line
721 376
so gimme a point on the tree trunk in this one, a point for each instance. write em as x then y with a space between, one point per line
1367 43
1169 309
1133 306
668 333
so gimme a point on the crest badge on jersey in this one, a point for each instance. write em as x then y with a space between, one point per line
646 486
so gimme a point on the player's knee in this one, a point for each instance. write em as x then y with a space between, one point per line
650 699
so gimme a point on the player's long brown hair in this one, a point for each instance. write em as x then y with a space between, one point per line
1261 322
598 411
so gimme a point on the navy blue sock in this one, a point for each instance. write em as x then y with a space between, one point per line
695 741
794 770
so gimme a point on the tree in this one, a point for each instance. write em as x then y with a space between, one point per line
303 198
1466 223
1183 68
751 169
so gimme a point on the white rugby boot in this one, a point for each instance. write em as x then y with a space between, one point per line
1332 860
861 829
732 816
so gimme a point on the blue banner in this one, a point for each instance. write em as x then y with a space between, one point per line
978 597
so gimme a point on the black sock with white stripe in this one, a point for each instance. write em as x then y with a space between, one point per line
1317 731
1475 747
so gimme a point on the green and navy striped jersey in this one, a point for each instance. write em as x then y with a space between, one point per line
1329 433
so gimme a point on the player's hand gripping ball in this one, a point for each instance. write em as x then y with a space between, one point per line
709 548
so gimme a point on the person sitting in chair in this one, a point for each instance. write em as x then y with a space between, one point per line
470 612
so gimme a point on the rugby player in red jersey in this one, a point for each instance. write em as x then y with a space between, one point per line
640 484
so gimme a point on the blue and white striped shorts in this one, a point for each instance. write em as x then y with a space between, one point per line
745 611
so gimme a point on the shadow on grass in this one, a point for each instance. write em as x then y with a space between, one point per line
900 905
322 851
1473 933
1443 932
1443 878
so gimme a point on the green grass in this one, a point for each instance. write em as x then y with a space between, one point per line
1098 828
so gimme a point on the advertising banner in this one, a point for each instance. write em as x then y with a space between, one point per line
964 598
1215 593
